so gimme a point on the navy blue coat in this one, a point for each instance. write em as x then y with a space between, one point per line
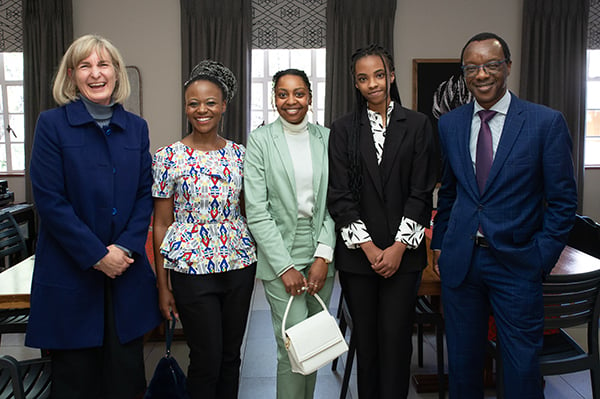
91 190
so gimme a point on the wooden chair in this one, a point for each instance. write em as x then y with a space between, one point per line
12 250
345 323
585 236
28 379
425 314
569 301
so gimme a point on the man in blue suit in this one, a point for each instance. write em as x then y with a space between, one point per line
505 207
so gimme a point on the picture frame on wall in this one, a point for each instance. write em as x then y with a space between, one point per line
134 102
428 74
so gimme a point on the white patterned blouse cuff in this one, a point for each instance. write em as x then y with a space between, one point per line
355 234
324 251
410 233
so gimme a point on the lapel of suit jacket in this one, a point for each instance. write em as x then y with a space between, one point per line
462 135
318 156
283 152
394 135
367 149
511 130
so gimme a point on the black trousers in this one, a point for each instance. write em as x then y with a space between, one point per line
382 312
214 310
112 371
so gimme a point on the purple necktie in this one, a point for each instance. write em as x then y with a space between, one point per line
485 153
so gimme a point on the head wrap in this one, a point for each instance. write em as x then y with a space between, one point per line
217 73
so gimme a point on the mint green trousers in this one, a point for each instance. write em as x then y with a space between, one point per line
292 385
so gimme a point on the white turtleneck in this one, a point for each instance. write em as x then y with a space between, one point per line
298 142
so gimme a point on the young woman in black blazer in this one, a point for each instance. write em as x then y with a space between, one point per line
382 167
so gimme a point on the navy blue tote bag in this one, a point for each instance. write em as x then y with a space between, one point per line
168 381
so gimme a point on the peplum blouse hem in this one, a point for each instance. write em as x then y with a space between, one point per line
208 248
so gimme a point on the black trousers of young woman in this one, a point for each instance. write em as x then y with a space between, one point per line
112 371
382 311
214 310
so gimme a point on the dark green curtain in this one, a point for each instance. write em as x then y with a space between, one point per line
220 30
47 33
553 69
352 24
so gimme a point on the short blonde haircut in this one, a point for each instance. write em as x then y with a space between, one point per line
64 89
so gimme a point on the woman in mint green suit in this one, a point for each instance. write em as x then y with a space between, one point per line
285 184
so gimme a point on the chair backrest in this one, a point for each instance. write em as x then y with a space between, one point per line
13 248
571 300
585 236
25 379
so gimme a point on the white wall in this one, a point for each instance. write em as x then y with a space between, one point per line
591 194
147 34
440 29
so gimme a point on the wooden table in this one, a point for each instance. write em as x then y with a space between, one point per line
15 285
571 261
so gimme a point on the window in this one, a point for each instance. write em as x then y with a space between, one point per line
265 63
592 123
12 126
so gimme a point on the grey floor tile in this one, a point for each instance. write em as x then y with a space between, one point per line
556 387
260 325
260 358
328 386
14 345
579 382
12 340
257 388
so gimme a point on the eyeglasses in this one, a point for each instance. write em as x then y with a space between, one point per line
491 67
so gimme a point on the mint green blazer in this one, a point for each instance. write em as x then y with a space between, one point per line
270 196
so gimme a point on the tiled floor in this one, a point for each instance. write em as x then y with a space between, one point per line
259 363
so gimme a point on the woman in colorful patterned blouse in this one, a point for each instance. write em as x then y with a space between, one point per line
286 188
201 237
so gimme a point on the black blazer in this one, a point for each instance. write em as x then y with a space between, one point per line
401 185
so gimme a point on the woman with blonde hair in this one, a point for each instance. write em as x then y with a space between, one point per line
93 295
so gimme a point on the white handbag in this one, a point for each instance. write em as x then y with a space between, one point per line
313 342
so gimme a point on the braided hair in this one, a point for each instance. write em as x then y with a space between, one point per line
354 169
216 73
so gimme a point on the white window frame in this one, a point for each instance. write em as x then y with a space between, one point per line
267 108
9 140
592 143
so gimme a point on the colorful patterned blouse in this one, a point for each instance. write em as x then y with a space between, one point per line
209 235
